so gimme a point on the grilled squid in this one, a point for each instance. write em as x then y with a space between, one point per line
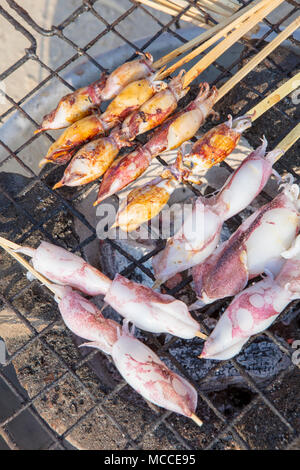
74 106
84 319
150 310
150 377
130 98
147 201
154 111
254 248
200 233
216 144
255 309
62 267
79 104
170 135
92 160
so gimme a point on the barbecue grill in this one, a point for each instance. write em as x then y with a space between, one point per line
75 397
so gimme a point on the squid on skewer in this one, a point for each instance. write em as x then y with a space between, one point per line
62 267
150 377
146 202
150 311
81 102
254 248
255 309
95 158
130 98
84 319
92 160
176 130
200 232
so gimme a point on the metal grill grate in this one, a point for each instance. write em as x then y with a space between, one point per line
218 427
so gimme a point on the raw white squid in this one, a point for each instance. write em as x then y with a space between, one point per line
62 267
84 319
255 309
149 310
253 249
150 377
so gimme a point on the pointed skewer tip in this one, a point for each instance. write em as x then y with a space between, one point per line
157 284
201 335
58 185
43 162
38 131
196 420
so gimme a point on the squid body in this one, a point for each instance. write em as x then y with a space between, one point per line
150 377
255 309
62 267
84 319
154 111
149 310
92 160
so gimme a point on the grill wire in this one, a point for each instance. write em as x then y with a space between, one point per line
225 426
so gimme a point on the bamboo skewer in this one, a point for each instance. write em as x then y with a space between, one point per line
275 96
196 420
6 245
172 12
290 139
192 13
237 18
258 58
230 40
218 33
201 335
205 4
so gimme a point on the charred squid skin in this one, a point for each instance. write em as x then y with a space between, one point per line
82 131
92 160
78 133
74 106
127 73
171 134
81 102
154 111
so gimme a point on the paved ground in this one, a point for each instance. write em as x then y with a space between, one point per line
26 431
